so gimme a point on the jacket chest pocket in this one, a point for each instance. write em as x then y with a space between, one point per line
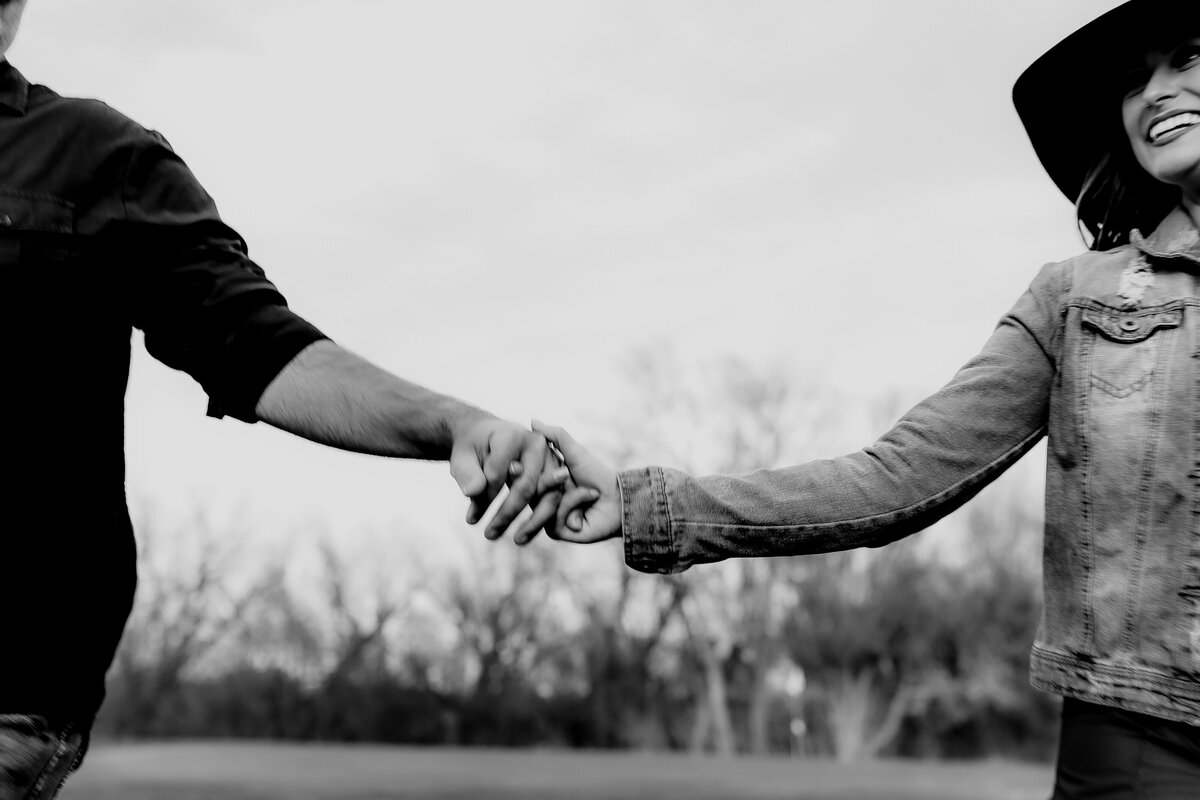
35 229
1125 346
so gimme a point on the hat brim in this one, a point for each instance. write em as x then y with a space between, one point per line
1068 99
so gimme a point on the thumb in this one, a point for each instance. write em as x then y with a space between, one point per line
466 470
562 440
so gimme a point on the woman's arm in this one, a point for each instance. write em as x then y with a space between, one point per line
938 456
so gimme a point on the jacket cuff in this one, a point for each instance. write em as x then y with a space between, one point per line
646 521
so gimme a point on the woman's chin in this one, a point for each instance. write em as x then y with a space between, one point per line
1176 164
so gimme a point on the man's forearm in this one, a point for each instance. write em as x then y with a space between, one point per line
332 396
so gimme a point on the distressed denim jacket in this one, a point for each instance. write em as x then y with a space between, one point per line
1102 354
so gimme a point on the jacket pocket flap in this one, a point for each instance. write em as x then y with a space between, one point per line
1125 326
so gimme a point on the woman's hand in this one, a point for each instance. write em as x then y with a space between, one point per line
590 508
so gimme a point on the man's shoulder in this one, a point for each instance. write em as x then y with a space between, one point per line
84 114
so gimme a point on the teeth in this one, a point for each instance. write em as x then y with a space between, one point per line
1172 124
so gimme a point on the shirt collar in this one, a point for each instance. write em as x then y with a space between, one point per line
14 89
1175 237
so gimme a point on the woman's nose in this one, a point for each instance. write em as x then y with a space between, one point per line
1163 84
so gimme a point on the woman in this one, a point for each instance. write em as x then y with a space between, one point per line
1102 354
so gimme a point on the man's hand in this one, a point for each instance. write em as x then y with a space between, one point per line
329 395
489 452
587 511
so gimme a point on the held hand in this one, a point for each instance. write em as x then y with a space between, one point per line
589 511
554 481
489 452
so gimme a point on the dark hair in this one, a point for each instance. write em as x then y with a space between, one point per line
1119 196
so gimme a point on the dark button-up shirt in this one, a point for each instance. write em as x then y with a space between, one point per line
102 229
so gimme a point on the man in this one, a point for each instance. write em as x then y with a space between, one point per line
102 229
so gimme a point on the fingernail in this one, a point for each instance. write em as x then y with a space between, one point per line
561 474
594 493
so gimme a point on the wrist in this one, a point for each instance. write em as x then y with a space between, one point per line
461 421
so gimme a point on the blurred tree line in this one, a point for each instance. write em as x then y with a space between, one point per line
918 649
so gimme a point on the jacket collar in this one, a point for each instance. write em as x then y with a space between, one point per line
14 89
1175 237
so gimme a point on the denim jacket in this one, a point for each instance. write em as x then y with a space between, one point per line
1102 354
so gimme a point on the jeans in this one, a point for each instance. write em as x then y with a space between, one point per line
1107 753
36 757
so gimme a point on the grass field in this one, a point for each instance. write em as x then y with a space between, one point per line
243 771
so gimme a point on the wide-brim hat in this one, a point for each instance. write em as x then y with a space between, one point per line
1069 99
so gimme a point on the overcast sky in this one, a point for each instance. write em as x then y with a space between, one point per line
504 200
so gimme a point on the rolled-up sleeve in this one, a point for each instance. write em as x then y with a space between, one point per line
938 456
204 306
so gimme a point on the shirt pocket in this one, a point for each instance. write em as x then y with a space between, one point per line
35 229
1127 345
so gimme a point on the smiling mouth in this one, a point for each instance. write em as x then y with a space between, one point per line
1169 127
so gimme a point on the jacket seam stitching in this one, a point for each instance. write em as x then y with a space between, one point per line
980 475
1153 432
1151 679
660 478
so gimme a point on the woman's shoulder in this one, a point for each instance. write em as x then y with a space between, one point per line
1123 277
1091 274
1114 258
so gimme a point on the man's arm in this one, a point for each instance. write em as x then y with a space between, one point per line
208 310
329 395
